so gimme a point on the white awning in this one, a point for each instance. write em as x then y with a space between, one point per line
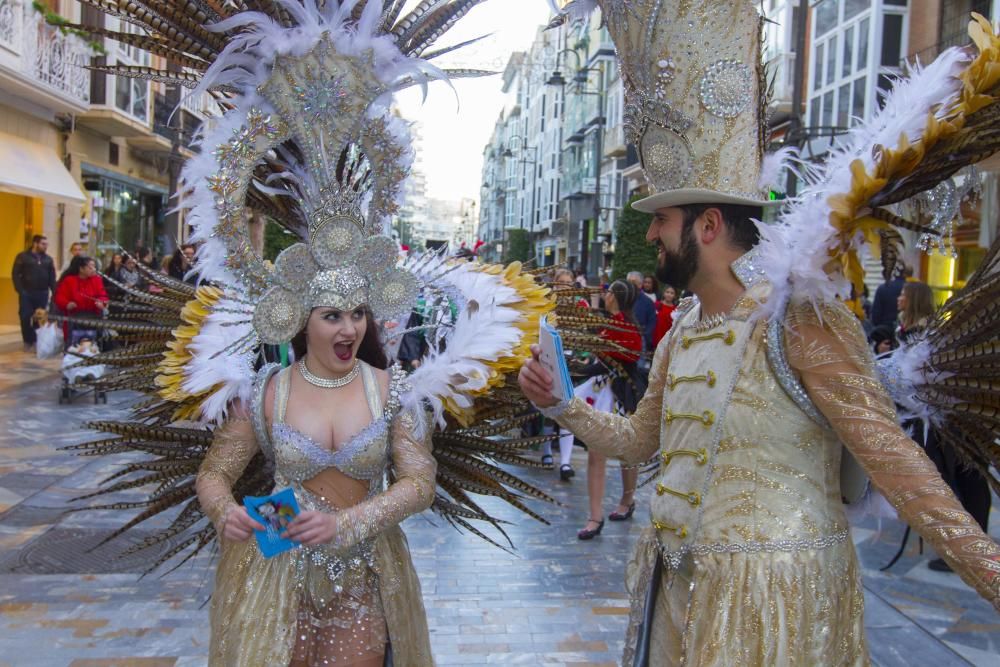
32 170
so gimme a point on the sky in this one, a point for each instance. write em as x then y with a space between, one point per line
455 129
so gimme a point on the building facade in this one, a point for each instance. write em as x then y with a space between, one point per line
99 155
558 166
554 168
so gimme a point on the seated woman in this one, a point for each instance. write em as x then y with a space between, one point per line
80 289
332 426
80 292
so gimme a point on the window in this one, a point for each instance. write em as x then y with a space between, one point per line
848 60
862 59
843 105
826 16
892 40
831 60
854 7
132 95
845 68
818 76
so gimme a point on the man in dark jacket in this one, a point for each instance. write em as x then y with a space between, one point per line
34 275
645 313
884 308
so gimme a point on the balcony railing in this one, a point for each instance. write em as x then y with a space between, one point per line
46 55
614 141
11 25
172 123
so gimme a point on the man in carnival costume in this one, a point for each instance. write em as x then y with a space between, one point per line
765 376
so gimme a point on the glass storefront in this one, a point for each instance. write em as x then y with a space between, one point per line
124 215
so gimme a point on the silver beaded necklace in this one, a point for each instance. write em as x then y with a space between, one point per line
325 383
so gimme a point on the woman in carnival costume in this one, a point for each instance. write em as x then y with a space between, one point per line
308 138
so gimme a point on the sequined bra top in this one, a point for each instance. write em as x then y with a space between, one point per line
297 457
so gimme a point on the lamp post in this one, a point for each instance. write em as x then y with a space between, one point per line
523 161
581 77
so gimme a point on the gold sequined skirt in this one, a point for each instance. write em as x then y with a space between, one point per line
798 609
261 615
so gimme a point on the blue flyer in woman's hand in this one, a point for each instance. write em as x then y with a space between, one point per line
274 512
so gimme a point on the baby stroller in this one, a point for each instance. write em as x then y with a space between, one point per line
77 377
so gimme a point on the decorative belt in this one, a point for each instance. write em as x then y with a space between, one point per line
673 557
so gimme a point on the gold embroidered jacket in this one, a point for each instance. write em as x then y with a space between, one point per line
748 510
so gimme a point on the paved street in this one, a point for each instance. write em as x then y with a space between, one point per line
556 601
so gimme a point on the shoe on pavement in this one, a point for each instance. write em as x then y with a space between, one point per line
938 565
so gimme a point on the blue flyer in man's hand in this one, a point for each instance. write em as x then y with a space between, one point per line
274 512
553 358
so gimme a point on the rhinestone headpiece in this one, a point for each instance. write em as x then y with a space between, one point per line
338 158
694 108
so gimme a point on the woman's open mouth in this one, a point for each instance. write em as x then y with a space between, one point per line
344 351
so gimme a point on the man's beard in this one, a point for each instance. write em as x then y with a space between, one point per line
678 268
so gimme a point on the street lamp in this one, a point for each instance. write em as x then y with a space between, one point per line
556 79
580 78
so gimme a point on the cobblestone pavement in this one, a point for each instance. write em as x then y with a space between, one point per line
64 600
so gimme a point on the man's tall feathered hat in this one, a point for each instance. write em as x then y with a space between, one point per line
694 104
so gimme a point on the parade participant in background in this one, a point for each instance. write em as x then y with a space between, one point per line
764 375
34 278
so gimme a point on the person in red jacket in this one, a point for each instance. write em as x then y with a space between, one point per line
613 391
81 290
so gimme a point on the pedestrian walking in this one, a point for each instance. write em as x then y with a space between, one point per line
615 392
34 276
651 289
915 305
563 280
645 313
75 249
884 309
665 314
